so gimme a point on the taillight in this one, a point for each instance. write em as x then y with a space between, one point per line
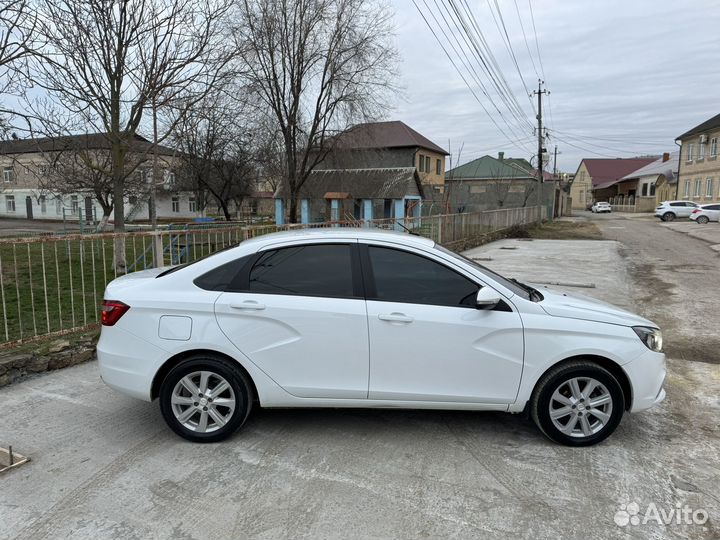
112 310
696 211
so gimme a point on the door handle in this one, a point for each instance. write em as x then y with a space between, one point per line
250 305
395 317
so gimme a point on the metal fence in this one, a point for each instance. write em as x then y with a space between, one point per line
54 285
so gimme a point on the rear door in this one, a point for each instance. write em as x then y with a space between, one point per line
299 314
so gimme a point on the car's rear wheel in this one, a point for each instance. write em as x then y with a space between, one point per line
578 403
703 220
205 398
668 216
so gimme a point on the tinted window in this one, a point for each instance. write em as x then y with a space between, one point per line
677 204
320 270
219 279
405 277
713 207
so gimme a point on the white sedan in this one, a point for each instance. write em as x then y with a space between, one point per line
600 207
361 318
706 213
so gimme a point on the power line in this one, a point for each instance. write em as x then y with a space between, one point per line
527 46
457 69
508 45
476 51
469 65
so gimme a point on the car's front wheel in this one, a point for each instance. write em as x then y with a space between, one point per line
578 403
668 216
703 220
205 398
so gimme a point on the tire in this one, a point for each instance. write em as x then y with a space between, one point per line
184 410
703 220
668 216
558 382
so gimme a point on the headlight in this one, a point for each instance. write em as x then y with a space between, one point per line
651 337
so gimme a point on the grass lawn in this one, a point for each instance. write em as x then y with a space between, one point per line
52 285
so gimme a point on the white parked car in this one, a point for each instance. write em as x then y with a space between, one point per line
361 318
671 210
600 207
706 213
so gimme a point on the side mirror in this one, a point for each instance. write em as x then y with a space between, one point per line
487 298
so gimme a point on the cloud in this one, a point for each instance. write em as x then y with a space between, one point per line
638 72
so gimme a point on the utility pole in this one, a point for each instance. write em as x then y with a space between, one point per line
555 164
541 139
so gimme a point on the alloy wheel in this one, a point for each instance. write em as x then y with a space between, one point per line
203 401
580 407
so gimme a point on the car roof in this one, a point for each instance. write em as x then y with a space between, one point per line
342 233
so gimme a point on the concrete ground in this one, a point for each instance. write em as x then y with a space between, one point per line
105 466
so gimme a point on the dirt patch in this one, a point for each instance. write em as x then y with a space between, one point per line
559 230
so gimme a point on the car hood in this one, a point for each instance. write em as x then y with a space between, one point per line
560 304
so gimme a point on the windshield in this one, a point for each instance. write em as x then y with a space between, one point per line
522 290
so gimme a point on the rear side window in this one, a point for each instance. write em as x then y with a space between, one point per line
317 270
677 204
220 278
405 277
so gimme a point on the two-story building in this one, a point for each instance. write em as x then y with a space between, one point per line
372 171
699 168
57 178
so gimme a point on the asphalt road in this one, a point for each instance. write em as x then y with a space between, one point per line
105 466
675 282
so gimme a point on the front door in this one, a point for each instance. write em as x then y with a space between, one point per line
302 320
428 342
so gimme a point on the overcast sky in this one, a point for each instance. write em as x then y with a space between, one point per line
638 73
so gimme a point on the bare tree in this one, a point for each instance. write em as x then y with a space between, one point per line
17 25
216 156
104 62
318 66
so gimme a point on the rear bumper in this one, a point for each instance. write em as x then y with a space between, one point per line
647 375
127 363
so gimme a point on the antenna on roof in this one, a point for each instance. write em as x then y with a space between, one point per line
407 230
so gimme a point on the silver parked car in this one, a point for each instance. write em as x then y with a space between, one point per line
670 210
706 213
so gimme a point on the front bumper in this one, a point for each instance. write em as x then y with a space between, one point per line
647 375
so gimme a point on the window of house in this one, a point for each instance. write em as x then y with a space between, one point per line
644 190
320 270
43 205
176 204
690 151
709 188
405 277
58 205
698 187
652 189
8 174
713 147
74 205
10 203
170 178
192 204
421 162
438 166
427 164
687 188
701 151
